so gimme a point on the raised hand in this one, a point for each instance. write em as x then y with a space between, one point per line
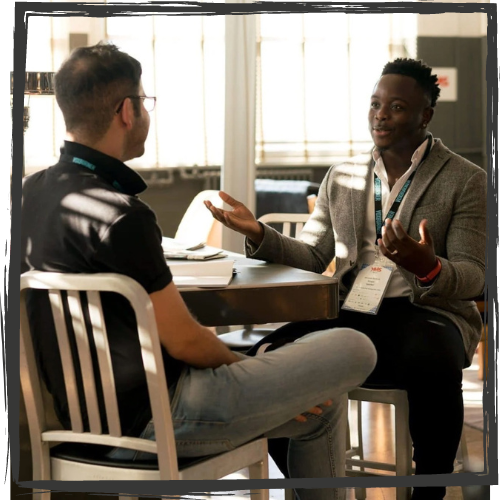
239 219
418 257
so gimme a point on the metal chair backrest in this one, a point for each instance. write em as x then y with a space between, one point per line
92 285
288 220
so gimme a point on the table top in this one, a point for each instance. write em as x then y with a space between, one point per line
262 292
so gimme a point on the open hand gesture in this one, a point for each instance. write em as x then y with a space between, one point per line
418 257
239 219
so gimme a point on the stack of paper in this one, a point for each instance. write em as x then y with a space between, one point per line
201 274
174 249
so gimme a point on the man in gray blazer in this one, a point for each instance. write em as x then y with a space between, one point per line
406 224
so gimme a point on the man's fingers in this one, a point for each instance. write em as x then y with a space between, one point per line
425 235
212 208
398 230
228 199
228 220
217 213
385 251
315 410
389 238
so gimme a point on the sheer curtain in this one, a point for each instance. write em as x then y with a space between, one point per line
314 76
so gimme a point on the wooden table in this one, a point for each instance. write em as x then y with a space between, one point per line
261 292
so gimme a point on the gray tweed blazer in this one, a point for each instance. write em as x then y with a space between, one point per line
447 190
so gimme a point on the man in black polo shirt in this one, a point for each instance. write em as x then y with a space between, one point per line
83 215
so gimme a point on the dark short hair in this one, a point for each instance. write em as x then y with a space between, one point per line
417 70
90 84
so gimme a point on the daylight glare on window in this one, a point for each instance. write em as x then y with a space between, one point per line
315 73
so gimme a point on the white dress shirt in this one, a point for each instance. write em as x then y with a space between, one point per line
397 286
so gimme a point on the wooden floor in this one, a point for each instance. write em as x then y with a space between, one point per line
381 448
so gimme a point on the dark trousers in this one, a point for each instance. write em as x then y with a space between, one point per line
419 351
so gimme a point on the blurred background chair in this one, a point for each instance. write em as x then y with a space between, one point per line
80 453
197 225
283 196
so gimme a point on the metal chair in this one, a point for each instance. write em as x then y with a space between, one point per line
289 222
69 461
403 443
243 339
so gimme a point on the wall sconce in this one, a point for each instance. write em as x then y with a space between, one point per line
35 84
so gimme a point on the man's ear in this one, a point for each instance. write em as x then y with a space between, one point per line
428 114
127 113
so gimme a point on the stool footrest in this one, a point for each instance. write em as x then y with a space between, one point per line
362 473
368 464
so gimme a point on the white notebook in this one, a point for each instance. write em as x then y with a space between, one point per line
173 245
201 273
175 249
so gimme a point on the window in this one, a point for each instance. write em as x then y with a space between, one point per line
183 65
315 73
45 131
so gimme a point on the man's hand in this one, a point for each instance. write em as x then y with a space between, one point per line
239 219
418 257
316 410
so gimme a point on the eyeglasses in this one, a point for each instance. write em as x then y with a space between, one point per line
149 102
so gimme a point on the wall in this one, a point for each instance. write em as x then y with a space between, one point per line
459 41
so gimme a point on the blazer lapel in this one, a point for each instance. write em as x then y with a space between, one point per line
423 178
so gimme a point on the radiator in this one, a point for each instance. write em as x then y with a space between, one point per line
211 175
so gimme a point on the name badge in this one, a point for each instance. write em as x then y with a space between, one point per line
370 286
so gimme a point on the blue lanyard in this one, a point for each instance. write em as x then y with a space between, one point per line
395 206
379 222
93 168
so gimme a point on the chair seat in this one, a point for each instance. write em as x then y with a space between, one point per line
93 454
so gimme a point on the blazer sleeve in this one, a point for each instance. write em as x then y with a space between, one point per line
463 270
313 250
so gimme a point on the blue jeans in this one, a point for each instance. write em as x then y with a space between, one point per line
216 410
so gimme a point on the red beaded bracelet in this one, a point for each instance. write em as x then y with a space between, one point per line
433 273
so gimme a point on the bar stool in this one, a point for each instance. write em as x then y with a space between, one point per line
403 444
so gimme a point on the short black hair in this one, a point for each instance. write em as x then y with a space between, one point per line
90 84
417 70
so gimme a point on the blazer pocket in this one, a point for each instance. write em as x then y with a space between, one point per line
430 209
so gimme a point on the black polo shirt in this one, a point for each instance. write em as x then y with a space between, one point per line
83 215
